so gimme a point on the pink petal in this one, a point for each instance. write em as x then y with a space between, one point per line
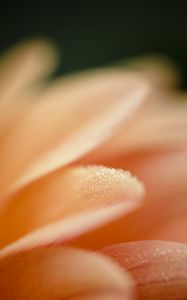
60 274
159 268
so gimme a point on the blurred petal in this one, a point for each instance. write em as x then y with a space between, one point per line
161 121
55 204
26 63
163 171
163 214
101 296
60 274
158 69
162 220
165 125
164 175
20 68
172 228
159 124
58 132
159 268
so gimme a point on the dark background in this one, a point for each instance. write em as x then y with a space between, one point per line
95 33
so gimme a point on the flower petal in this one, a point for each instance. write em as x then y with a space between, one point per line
101 296
21 68
58 132
67 203
164 174
52 273
163 214
163 126
163 171
24 64
159 268
159 124
158 69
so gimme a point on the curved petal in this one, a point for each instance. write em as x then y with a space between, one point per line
159 124
165 221
67 203
161 121
58 132
158 69
163 171
52 273
164 174
164 127
20 68
163 214
101 296
25 64
159 268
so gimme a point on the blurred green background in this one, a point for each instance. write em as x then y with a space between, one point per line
93 33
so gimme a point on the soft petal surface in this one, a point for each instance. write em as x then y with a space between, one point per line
55 202
159 268
54 273
165 221
164 174
69 119
163 171
19 69
161 123
163 126
24 65
100 296
158 69
163 214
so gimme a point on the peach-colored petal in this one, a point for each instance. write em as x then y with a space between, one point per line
162 220
166 125
25 64
159 268
160 123
163 171
65 193
71 118
107 295
158 69
55 204
164 175
60 274
20 68
172 228
64 231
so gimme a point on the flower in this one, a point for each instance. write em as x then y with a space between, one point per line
93 181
